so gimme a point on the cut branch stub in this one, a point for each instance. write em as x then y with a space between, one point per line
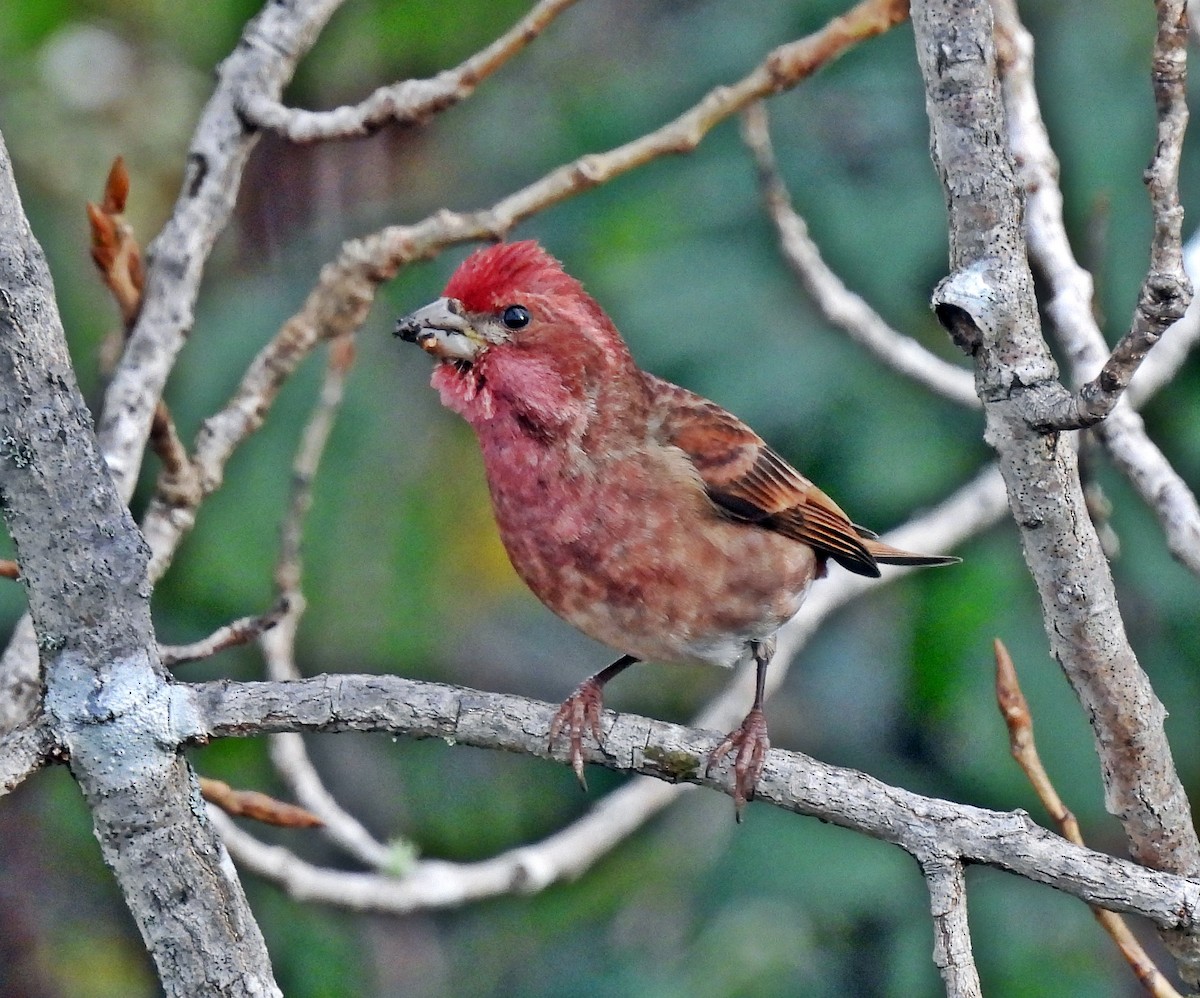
966 304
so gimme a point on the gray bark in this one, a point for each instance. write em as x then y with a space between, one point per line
107 700
987 304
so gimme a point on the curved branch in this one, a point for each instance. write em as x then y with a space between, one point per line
837 303
288 754
405 103
1161 487
675 753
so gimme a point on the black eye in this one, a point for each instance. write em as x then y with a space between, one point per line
515 316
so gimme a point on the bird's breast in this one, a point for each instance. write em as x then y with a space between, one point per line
632 552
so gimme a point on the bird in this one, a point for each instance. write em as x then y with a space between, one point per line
647 516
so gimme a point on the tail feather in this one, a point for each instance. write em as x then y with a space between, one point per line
885 554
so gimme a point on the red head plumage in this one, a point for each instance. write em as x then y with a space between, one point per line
490 277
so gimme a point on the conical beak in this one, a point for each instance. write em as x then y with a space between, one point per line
441 329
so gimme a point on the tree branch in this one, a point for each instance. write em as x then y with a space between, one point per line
1019 721
264 60
837 303
107 701
406 103
569 852
1166 290
951 934
987 303
238 632
23 752
1069 304
288 754
675 753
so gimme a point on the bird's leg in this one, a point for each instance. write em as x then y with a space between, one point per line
749 741
580 712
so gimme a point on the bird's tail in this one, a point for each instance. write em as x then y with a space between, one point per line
885 554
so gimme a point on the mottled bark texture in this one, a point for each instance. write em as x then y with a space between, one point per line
987 304
107 700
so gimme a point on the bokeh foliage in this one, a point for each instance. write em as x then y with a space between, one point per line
404 572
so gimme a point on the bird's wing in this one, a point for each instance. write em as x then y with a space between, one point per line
748 481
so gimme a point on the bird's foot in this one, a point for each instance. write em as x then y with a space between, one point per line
579 714
749 743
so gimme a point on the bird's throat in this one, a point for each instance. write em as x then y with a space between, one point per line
533 394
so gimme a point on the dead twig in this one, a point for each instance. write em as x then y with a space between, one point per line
1015 711
259 806
239 632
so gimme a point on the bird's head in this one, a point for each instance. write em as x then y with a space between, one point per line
513 328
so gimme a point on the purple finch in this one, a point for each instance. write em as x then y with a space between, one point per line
645 515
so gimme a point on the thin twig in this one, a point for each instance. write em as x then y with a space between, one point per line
308 459
1165 360
1015 710
267 53
118 257
115 249
408 102
255 805
239 632
837 303
288 753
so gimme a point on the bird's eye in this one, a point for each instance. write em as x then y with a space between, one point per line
515 317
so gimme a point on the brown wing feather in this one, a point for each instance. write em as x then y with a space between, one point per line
749 481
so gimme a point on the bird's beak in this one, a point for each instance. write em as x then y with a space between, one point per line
441 329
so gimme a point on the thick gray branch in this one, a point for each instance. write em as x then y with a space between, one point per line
988 305
107 701
923 826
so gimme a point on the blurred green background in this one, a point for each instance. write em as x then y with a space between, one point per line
404 573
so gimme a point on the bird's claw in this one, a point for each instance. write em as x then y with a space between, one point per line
579 713
749 742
